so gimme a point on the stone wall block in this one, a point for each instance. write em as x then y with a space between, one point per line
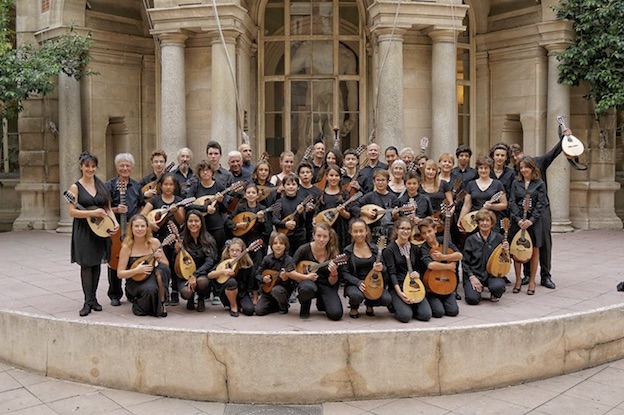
32 158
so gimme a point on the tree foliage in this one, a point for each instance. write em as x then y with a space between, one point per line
597 55
31 69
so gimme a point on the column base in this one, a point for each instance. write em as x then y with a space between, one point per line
40 206
64 227
562 227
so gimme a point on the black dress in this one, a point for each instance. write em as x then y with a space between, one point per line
88 249
144 294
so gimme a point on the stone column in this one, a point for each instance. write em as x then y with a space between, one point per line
559 171
173 93
390 90
70 141
223 94
444 91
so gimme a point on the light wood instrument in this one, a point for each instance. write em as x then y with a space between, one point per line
275 277
308 267
154 183
102 227
184 264
330 216
265 191
150 258
250 219
438 217
374 281
413 287
499 263
233 263
294 216
118 237
572 146
442 282
378 212
521 247
211 200
157 216
469 223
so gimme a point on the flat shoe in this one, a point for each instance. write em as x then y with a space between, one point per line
96 307
234 313
86 309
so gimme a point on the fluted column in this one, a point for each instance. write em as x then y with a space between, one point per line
444 91
70 141
390 90
223 95
173 93
559 171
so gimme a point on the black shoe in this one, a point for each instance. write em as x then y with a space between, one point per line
201 305
506 280
548 283
457 296
305 311
86 309
190 304
96 306
283 310
525 280
234 313
175 299
115 302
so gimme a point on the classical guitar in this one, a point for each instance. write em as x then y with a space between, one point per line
521 247
572 146
347 186
275 277
378 212
118 237
499 263
373 281
330 216
469 223
157 216
308 267
150 258
442 282
413 287
211 200
102 227
233 263
294 216
249 218
154 183
184 264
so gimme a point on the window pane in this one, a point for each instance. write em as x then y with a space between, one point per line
349 21
274 58
322 18
273 19
312 57
274 97
300 18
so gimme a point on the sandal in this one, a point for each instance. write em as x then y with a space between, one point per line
516 290
531 291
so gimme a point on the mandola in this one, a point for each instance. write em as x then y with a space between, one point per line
294 216
499 263
184 263
373 281
413 287
102 227
250 219
150 258
378 212
329 216
572 146
275 277
232 263
158 215
468 221
521 247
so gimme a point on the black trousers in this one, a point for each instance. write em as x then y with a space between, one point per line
356 297
273 301
495 285
327 298
545 250
443 305
115 290
404 312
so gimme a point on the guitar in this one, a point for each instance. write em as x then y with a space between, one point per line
184 265
378 212
307 153
442 282
308 267
521 248
154 183
499 263
437 216
275 277
102 227
250 219
347 186
118 237
572 146
232 263
149 259
413 287
294 216
373 281
469 223
330 216
157 216
211 200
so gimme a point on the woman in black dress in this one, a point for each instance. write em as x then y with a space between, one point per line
88 249
333 196
146 285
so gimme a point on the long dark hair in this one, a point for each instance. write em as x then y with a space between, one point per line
208 243
176 184
87 157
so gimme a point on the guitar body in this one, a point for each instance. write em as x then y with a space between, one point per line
499 263
328 216
184 264
248 217
372 209
468 222
521 247
374 285
414 289
440 282
116 241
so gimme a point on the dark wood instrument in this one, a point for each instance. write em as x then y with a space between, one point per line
308 267
211 200
118 237
265 191
347 186
373 281
250 219
378 212
521 247
184 264
275 277
150 258
154 183
499 263
469 223
233 263
157 216
442 282
295 215
413 287
102 227
330 216
322 183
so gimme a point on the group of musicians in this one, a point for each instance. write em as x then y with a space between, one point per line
257 241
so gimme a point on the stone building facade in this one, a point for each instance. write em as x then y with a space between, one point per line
176 73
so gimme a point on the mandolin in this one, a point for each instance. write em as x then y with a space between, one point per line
413 287
275 277
521 248
468 221
347 186
211 200
232 263
184 264
378 212
118 237
294 216
499 263
373 281
154 183
572 146
442 282
265 191
330 216
102 227
150 258
157 216
308 267
249 218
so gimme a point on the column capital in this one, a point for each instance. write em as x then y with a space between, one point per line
556 36
443 34
390 35
172 38
230 37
